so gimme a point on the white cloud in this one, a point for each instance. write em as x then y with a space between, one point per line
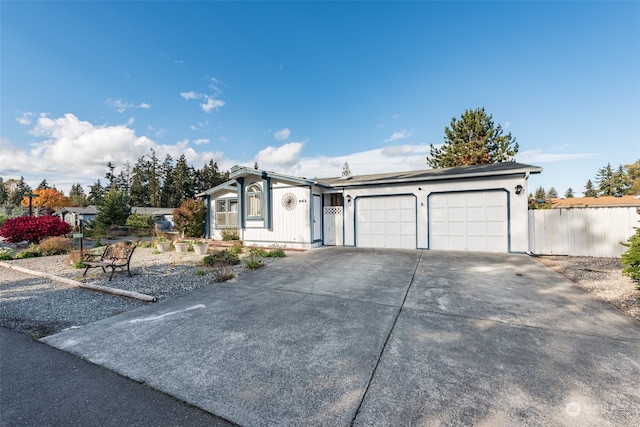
211 104
121 106
537 156
25 119
282 134
69 150
403 150
284 156
399 135
191 95
201 141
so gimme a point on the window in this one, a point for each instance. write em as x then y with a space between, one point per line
226 213
254 201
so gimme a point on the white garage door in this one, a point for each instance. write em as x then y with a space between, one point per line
386 222
473 221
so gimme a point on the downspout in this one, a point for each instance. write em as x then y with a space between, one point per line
241 213
207 216
267 194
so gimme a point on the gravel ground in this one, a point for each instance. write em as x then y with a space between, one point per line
600 276
41 307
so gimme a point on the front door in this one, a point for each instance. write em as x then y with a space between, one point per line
317 217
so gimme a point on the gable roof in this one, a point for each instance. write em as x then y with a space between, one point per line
459 172
601 202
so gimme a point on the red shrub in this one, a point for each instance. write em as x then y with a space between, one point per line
33 229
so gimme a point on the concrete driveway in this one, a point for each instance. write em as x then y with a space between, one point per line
344 336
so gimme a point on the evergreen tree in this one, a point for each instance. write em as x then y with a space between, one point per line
44 185
123 180
552 193
183 177
633 175
569 193
96 193
589 190
540 194
604 179
153 172
167 197
620 181
111 177
114 209
208 177
77 196
346 171
16 190
473 140
3 192
139 191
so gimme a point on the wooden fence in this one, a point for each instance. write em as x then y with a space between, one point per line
593 232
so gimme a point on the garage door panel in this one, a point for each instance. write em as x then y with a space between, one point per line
386 222
474 220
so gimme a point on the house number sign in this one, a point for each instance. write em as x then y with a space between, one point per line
289 201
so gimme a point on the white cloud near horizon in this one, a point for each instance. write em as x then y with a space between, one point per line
399 135
282 134
25 119
121 106
69 150
538 156
284 156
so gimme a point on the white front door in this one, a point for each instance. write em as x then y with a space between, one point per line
386 222
469 221
317 217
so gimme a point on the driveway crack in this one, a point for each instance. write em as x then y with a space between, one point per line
384 346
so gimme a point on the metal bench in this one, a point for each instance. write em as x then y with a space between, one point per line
117 255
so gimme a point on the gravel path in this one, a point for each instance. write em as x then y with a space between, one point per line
41 307
600 276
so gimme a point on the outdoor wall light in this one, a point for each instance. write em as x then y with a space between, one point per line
348 198
518 189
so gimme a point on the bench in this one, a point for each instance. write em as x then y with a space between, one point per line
117 255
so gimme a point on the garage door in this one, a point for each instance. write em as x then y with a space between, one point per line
386 222
473 221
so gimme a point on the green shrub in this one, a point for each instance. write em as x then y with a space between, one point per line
141 221
55 246
222 273
254 259
276 252
236 249
6 254
223 257
230 234
631 258
31 252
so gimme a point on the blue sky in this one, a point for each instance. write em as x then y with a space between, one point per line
303 87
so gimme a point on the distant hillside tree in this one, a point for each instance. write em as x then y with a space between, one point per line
569 193
346 171
474 139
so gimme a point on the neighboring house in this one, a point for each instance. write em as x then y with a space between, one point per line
163 216
478 208
73 215
596 202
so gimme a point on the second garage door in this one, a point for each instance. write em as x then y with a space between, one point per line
386 222
473 221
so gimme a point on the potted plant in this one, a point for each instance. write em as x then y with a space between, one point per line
163 244
200 247
181 246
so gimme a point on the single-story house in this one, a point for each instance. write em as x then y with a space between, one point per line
476 208
74 214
